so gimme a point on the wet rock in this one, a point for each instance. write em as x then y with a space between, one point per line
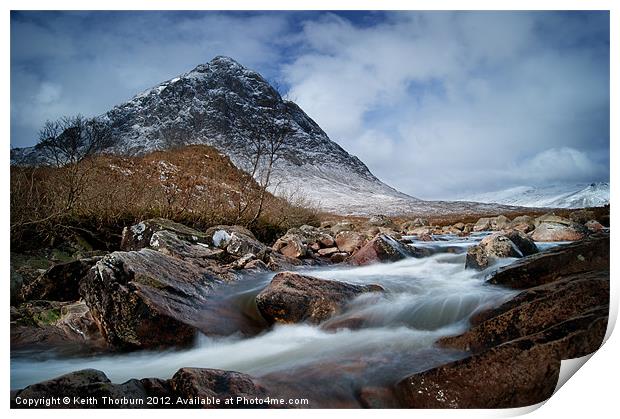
382 248
65 327
339 257
535 310
291 245
328 251
513 375
499 245
552 264
256 265
144 299
549 231
203 383
349 241
82 384
594 226
139 235
169 243
60 282
294 298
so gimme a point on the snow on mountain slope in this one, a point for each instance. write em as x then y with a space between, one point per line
580 195
212 105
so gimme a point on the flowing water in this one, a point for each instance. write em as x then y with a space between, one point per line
427 298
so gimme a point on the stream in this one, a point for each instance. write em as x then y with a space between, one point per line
427 298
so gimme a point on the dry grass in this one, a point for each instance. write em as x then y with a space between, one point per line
194 185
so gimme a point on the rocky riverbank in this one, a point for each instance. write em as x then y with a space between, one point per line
152 294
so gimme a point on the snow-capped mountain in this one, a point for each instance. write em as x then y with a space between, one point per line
218 103
555 196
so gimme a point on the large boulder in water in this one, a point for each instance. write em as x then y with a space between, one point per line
550 265
382 248
514 244
295 298
145 299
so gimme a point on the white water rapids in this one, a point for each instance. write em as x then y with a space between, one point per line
427 298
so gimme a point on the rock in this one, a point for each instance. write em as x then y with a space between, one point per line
83 384
294 298
139 235
499 223
327 224
420 231
552 264
548 231
349 241
218 231
551 218
499 245
535 310
382 248
379 221
62 326
342 226
328 251
256 265
483 224
279 262
594 226
291 245
410 225
459 226
60 282
213 384
377 398
339 257
241 244
523 223
144 299
243 261
168 243
513 375
582 216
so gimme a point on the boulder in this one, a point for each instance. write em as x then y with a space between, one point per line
552 264
499 223
62 326
420 231
550 217
212 384
169 243
145 299
60 282
291 245
241 244
342 226
523 223
382 248
379 221
294 298
483 224
535 310
551 231
594 226
139 235
328 251
349 241
582 216
338 257
499 245
84 384
416 222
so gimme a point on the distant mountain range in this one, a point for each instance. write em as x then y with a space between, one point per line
579 195
216 103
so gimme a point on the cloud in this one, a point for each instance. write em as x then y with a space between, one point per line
459 98
437 104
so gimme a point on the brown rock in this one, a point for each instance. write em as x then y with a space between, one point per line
60 282
582 216
382 248
139 235
145 299
553 264
548 231
294 298
498 245
328 251
290 245
594 226
349 241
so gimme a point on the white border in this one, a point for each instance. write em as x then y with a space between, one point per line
592 393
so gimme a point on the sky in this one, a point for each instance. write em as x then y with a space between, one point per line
437 104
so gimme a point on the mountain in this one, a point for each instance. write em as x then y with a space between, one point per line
222 104
579 195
